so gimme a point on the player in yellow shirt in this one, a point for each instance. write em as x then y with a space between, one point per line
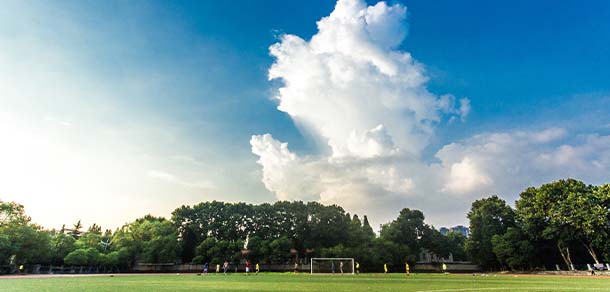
407 268
445 268
357 268
257 268
385 268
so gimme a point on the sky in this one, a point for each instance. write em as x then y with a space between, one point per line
113 110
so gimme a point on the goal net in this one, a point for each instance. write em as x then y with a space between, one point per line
332 265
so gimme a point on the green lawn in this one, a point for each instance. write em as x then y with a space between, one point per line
306 282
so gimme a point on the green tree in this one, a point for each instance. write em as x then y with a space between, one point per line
602 238
90 240
13 213
61 245
149 239
587 211
456 244
566 212
78 257
410 233
76 230
21 242
488 217
111 259
96 229
388 252
366 227
218 251
514 249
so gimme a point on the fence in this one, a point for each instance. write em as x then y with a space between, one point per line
51 269
196 268
451 267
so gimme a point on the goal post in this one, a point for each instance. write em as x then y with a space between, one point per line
332 266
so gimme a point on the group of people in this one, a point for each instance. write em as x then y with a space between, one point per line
385 268
332 267
225 268
357 267
408 268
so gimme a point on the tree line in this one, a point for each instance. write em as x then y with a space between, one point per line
561 223
215 231
564 221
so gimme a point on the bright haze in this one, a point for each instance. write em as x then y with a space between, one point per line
110 111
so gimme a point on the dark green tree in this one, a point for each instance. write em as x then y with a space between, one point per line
21 242
564 212
488 217
61 245
149 239
514 249
411 234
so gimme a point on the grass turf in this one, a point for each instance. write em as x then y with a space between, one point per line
305 282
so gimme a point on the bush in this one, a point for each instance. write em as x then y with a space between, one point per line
77 257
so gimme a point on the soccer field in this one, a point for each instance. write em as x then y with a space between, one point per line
306 282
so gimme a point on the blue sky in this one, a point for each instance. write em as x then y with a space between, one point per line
152 104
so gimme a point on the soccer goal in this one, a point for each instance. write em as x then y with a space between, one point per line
332 265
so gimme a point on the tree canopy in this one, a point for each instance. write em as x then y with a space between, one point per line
563 221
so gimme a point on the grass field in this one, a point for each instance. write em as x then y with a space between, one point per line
305 282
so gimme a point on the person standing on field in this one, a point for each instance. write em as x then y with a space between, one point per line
257 268
407 268
225 267
357 268
217 268
385 268
296 267
205 268
341 266
247 267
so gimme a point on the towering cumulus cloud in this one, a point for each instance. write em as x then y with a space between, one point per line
350 88
349 85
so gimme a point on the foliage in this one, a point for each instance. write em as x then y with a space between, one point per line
306 228
149 239
488 217
513 249
566 219
61 245
77 257
21 242
456 242
567 213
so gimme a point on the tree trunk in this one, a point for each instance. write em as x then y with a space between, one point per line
591 251
569 258
565 254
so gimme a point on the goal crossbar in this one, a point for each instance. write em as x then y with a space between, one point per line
312 260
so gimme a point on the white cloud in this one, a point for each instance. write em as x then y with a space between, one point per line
352 89
371 143
464 107
550 135
515 160
173 179
465 176
447 104
284 174
349 78
162 176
